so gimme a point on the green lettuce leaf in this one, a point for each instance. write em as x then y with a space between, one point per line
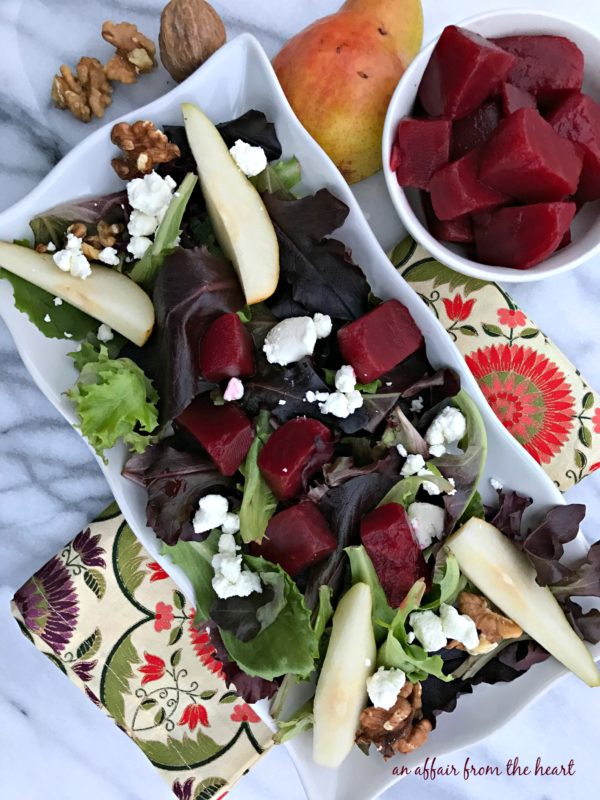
406 490
363 571
166 237
279 177
447 581
39 304
324 612
114 400
302 720
288 645
258 501
195 558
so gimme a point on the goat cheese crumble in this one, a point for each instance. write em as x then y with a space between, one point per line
323 325
231 579
384 686
290 340
105 333
72 260
345 379
251 160
414 462
211 513
151 194
58 301
417 405
402 451
459 626
427 522
108 255
428 630
447 428
495 483
234 390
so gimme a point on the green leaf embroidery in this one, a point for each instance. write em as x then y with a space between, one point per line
587 401
468 330
95 581
129 557
117 672
175 635
430 270
209 788
228 697
529 333
159 717
186 753
147 704
580 459
492 330
90 646
208 695
176 658
178 599
585 436
403 252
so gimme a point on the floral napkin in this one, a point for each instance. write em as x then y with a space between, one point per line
113 621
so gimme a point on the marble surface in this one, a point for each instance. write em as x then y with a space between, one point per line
53 742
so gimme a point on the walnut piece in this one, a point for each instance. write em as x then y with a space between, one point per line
494 627
190 32
86 95
143 147
401 729
135 52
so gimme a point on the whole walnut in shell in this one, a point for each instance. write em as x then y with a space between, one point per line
190 32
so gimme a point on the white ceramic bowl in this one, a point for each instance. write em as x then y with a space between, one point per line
586 227
239 77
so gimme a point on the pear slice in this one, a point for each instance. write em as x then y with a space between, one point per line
341 692
505 575
107 295
241 222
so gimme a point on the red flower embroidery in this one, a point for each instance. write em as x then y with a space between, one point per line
595 466
164 617
158 573
458 309
153 669
204 649
511 317
193 715
243 713
596 420
528 393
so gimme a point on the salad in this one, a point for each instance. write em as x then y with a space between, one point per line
305 465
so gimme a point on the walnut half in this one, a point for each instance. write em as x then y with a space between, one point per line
143 147
135 52
494 627
401 729
85 95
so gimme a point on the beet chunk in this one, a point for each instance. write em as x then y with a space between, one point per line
422 146
463 70
528 160
388 539
547 66
459 230
577 118
225 432
226 350
514 98
297 538
379 340
521 237
293 454
475 129
456 190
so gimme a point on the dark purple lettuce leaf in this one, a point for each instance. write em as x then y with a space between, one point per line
442 385
175 480
251 689
252 127
192 289
344 469
51 226
544 544
238 614
585 623
415 368
344 507
584 579
509 516
372 413
316 273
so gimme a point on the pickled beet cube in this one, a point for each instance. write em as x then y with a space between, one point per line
387 536
514 98
547 66
226 350
523 236
528 160
297 538
475 129
577 118
462 72
566 240
293 454
459 230
378 341
225 432
422 146
456 190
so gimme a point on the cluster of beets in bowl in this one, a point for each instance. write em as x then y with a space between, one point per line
503 144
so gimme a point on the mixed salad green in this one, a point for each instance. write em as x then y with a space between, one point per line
313 474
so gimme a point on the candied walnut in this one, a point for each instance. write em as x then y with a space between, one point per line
400 729
143 147
107 234
78 229
85 95
494 627
135 52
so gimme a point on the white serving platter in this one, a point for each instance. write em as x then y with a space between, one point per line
239 77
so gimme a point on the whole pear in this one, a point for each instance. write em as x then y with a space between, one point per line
340 73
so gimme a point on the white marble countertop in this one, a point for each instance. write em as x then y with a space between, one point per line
53 742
